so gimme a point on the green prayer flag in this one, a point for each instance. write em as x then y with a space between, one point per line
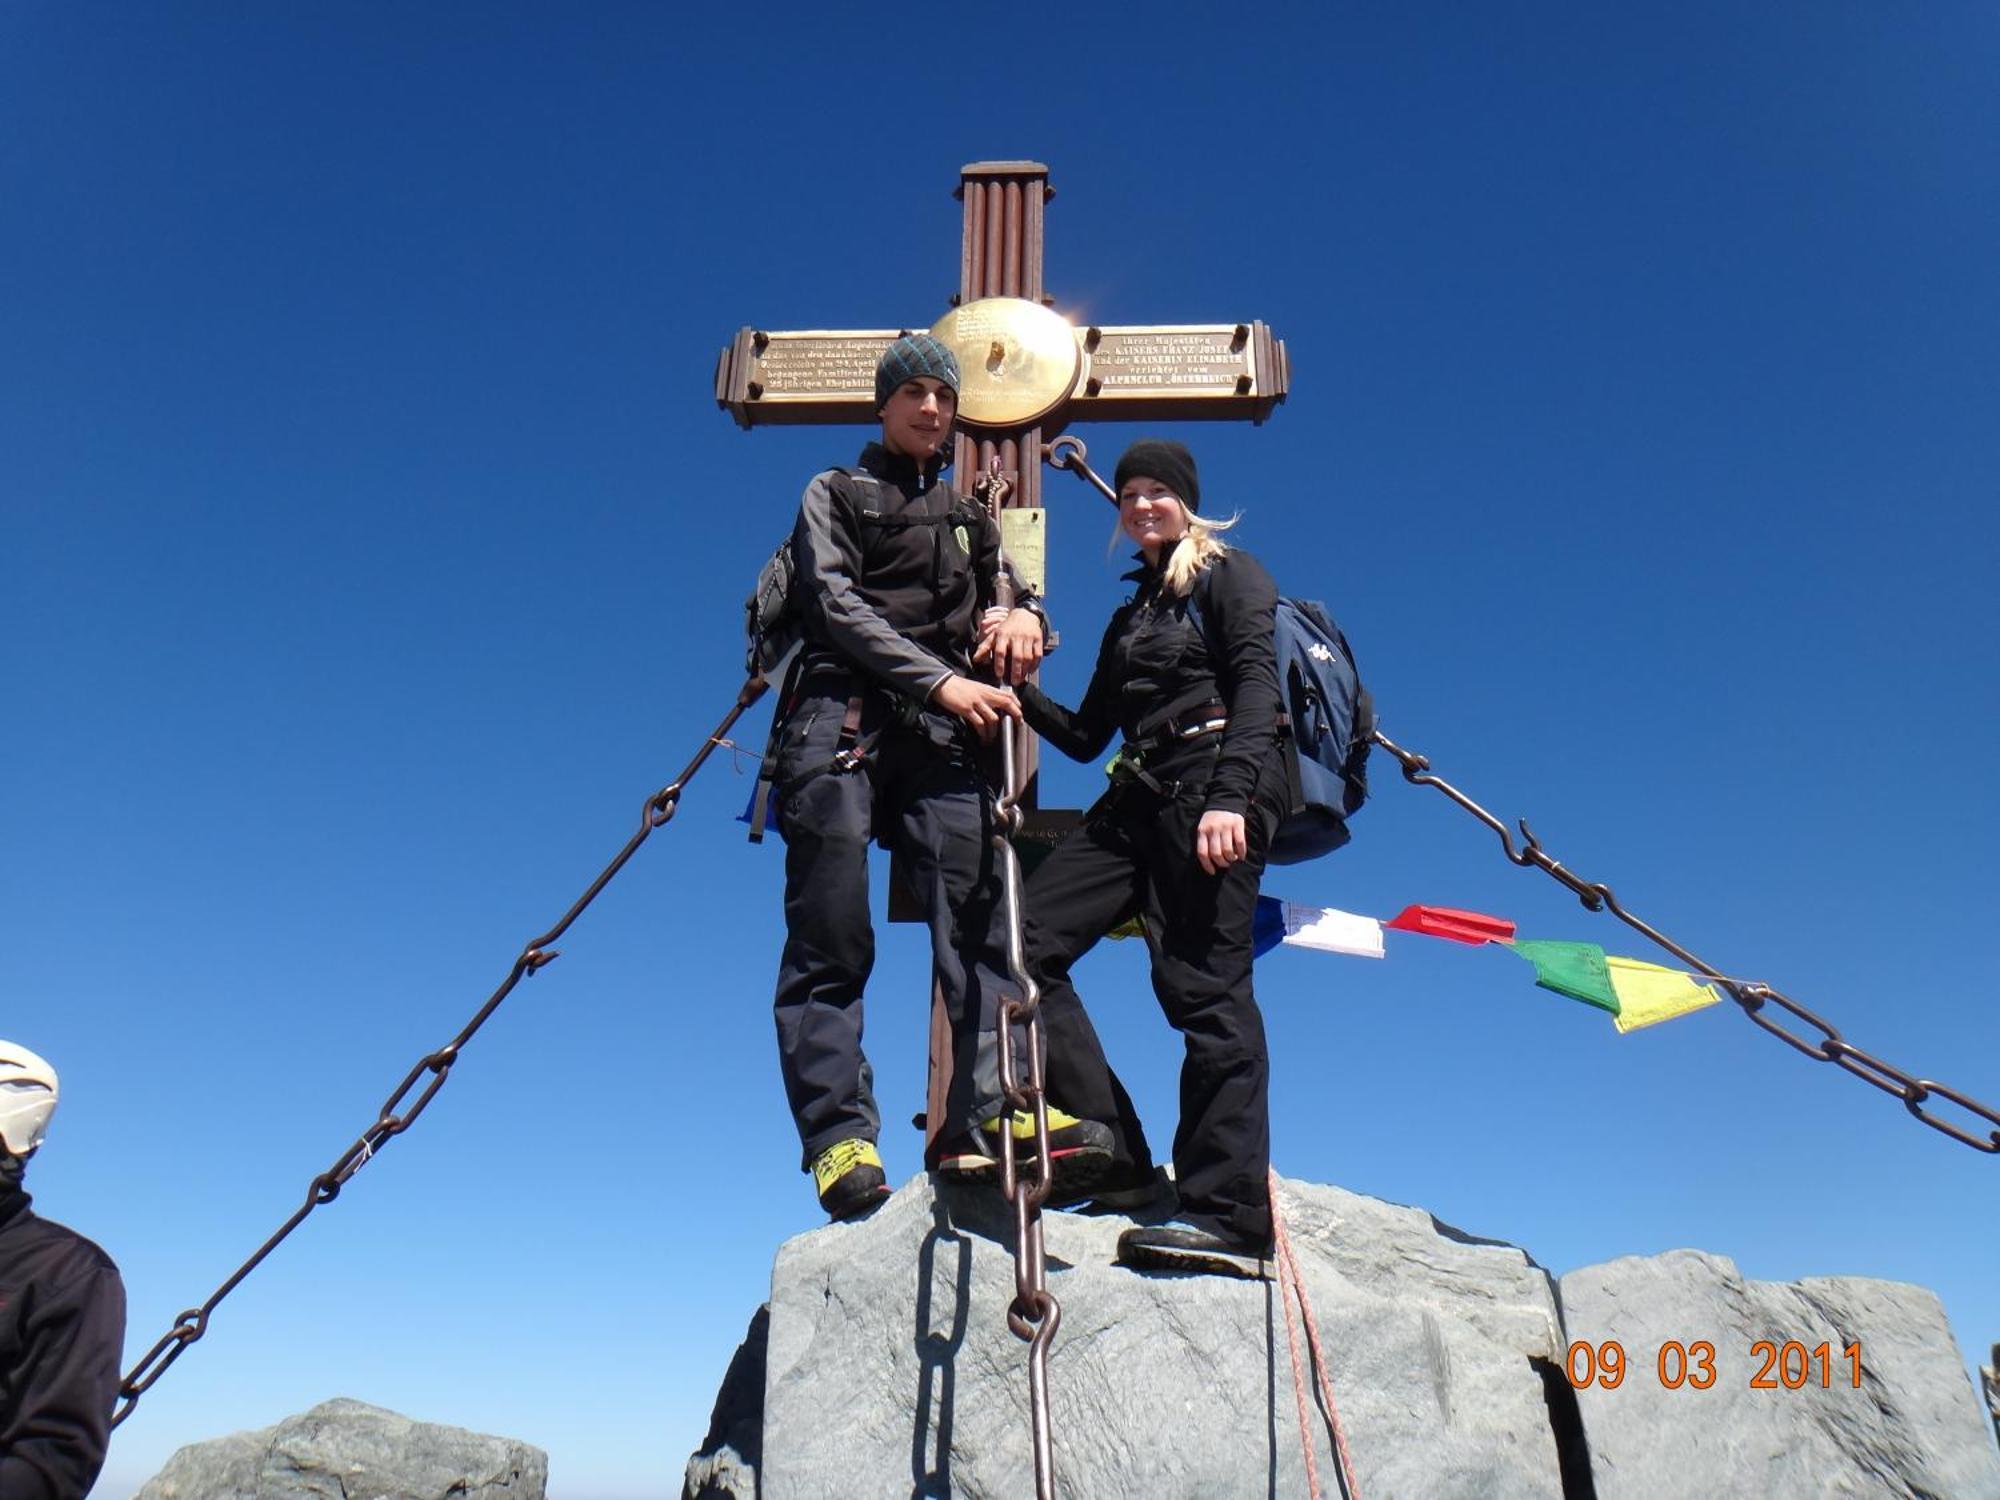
1577 970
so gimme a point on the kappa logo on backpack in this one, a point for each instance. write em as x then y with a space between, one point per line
1329 729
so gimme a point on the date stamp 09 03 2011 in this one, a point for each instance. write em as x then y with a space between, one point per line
1787 1366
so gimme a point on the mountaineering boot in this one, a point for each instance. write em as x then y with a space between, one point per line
1079 1152
1184 1247
1068 1137
1123 1189
849 1177
966 1159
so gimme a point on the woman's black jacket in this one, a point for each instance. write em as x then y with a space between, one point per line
1160 663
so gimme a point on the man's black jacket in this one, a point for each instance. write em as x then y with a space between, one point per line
62 1330
893 569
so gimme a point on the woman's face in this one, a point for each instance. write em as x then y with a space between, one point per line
1151 514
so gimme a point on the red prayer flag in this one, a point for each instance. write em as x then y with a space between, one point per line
1459 926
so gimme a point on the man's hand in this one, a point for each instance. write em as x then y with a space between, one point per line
980 706
1011 642
1220 840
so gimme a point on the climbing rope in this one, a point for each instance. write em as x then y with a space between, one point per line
1288 1274
1750 995
394 1118
1034 1314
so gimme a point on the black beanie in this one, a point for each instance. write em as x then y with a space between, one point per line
1166 461
910 356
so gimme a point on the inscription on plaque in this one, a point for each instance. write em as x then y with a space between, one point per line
1024 536
815 366
1172 362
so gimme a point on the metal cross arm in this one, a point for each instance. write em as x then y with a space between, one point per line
1023 362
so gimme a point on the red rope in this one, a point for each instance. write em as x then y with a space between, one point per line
1288 1271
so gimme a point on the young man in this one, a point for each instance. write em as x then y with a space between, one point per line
62 1315
877 739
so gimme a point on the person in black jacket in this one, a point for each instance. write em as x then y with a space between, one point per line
62 1315
876 738
1187 672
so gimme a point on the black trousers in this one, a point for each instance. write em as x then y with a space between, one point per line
1133 855
919 792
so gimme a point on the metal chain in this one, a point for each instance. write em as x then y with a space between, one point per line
394 1118
1753 997
1034 1315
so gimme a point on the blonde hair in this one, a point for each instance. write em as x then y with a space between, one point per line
1198 547
1192 553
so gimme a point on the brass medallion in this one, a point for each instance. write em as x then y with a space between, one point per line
1018 360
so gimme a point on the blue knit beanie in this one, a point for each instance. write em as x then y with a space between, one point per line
912 355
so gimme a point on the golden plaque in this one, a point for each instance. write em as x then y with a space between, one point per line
1017 360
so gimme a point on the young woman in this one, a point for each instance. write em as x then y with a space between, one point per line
1186 673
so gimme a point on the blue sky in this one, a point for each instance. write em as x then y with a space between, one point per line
374 548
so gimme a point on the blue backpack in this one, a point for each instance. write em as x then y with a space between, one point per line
1327 722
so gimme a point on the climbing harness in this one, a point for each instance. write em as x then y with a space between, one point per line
1069 453
394 1117
1034 1315
1752 996
1288 1275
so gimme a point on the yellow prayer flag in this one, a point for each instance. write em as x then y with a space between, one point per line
1649 994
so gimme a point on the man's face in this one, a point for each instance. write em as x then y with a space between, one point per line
917 418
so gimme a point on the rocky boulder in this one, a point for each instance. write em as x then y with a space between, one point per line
883 1366
346 1450
1832 1385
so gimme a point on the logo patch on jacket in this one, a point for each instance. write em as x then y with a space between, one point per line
964 541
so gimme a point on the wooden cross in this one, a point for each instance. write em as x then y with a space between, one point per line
1027 374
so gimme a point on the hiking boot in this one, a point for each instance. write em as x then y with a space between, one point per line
1069 1139
1080 1151
1183 1247
967 1158
1124 1190
849 1177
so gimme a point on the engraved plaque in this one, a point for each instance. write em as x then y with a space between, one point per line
1024 538
818 375
818 365
1017 359
1180 372
1188 361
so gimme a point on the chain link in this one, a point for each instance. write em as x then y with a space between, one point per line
1034 1315
1753 998
429 1074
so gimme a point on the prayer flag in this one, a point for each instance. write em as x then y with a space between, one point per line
1320 927
1577 970
1446 922
1649 994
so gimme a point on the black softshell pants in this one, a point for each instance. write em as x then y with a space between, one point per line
1133 855
920 792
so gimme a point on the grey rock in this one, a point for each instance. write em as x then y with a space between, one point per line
1989 1382
891 1371
725 1466
1913 1428
347 1450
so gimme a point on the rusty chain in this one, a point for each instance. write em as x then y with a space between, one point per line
1034 1315
431 1072
1751 996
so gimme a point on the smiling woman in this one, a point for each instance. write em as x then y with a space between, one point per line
1180 840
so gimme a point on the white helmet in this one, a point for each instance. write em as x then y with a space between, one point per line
27 1098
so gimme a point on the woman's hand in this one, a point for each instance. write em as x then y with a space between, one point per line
1220 840
1012 641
